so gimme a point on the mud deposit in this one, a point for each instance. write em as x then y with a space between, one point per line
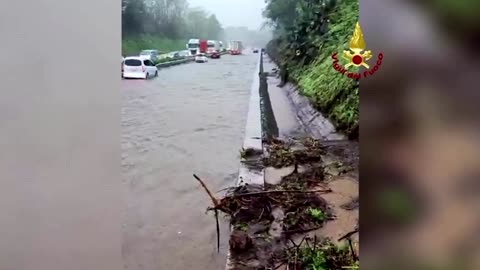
286 222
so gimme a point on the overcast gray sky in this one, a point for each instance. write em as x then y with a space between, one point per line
234 12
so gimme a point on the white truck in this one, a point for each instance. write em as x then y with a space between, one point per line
193 46
222 48
235 47
213 46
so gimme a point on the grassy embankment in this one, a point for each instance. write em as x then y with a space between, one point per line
330 92
133 45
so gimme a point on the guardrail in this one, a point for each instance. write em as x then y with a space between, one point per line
174 62
181 61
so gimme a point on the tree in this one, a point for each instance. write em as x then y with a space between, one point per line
281 13
214 28
133 15
168 18
197 23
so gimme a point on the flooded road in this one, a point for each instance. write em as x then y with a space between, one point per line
190 119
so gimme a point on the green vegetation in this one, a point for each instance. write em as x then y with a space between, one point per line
303 46
323 256
133 45
167 26
316 213
164 25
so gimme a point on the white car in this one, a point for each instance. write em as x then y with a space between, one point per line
152 55
136 67
185 53
174 54
201 58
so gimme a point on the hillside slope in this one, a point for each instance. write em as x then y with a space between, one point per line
304 53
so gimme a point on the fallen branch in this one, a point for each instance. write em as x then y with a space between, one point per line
304 238
347 235
352 250
218 231
281 191
215 203
303 230
214 200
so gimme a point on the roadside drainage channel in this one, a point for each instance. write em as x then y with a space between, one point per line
249 172
268 120
312 121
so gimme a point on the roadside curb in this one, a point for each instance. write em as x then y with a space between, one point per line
252 142
253 128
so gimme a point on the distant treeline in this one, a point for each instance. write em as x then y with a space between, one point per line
170 19
168 24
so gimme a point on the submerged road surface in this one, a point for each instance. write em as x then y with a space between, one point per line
190 119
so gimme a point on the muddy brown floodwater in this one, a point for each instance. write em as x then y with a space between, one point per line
190 119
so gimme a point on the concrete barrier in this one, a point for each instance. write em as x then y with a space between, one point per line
253 135
181 61
178 62
249 174
253 128
175 62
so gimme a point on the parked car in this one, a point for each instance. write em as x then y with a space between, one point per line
174 55
255 50
151 55
201 58
185 53
215 55
136 67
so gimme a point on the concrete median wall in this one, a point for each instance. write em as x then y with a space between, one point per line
252 143
179 62
175 62
249 173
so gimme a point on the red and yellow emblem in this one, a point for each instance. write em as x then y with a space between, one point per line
356 55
